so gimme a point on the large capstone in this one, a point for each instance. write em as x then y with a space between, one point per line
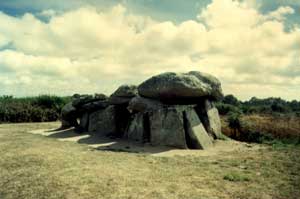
123 94
100 97
79 108
126 90
181 87
88 103
94 106
78 101
215 84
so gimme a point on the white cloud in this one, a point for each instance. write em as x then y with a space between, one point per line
229 14
3 40
48 13
280 13
87 51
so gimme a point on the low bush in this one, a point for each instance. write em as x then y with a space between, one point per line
43 108
255 105
224 109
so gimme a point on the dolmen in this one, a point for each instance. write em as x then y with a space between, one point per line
169 109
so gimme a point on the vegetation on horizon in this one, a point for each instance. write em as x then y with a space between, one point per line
255 120
271 105
272 120
43 108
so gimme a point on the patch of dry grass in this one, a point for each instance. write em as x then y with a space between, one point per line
32 166
285 127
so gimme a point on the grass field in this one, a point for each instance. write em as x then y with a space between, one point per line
34 166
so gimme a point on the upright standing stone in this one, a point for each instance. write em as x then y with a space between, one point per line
65 124
69 115
209 115
84 122
197 137
214 122
103 122
136 130
166 127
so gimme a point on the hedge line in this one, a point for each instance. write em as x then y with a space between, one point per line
42 108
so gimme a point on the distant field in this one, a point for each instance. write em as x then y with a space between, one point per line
33 166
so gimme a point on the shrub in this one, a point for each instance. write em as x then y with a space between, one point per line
277 107
49 102
51 115
37 114
234 120
255 105
224 109
230 99
31 109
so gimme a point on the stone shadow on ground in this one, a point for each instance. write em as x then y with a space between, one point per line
66 133
117 147
94 139
98 143
59 129
103 143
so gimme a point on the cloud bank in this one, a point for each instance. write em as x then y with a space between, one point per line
87 50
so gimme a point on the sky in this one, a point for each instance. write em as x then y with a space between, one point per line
93 46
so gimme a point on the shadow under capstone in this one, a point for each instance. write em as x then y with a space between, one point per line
104 143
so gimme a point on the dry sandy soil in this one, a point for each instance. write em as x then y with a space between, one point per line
38 162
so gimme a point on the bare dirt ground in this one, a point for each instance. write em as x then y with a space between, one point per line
39 163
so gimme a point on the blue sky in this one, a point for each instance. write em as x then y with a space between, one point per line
89 46
174 10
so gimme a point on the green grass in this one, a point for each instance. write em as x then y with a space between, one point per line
36 167
236 177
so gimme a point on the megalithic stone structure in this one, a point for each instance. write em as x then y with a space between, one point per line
170 109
